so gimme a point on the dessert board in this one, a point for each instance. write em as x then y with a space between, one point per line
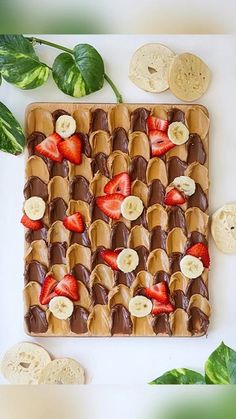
116 139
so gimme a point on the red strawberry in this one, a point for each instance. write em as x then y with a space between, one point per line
200 250
68 287
71 149
50 147
110 258
159 308
160 143
33 225
174 197
74 222
159 292
110 205
48 290
157 123
119 184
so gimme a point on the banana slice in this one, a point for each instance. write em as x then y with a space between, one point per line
127 260
178 133
185 184
191 267
140 306
65 126
34 208
132 207
61 307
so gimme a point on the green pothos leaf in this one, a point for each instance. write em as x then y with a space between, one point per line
90 65
81 73
19 63
220 368
67 76
180 376
12 139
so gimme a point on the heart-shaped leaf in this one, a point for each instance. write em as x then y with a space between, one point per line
12 139
220 367
90 65
79 74
180 376
19 63
67 76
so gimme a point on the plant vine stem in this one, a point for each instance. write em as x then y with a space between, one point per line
70 51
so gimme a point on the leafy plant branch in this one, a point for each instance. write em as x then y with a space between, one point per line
40 41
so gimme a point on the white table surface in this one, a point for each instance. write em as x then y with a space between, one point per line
128 360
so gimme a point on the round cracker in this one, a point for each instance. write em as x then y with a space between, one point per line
149 67
189 77
223 228
62 371
22 364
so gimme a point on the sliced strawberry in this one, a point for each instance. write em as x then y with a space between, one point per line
110 258
74 222
49 147
154 123
33 225
119 184
48 290
110 205
200 251
160 143
159 308
159 292
71 149
68 287
174 197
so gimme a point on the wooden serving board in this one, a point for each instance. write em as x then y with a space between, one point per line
160 237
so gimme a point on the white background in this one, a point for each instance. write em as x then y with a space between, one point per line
129 360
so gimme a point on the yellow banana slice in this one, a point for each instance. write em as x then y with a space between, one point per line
34 208
132 207
185 184
127 260
140 306
191 267
61 307
178 133
65 126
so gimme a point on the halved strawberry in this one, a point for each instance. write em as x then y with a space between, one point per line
74 222
200 251
71 149
50 147
28 223
119 184
110 205
68 287
174 197
155 123
160 143
110 258
159 308
159 292
48 290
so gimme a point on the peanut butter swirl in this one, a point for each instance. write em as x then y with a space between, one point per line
115 139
